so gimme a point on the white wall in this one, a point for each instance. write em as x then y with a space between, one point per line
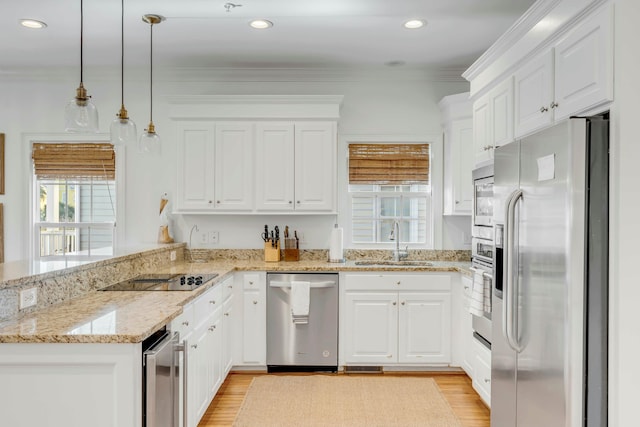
394 103
624 340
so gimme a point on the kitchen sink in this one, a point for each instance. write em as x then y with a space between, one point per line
399 263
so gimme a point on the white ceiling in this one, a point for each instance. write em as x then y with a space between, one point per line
306 33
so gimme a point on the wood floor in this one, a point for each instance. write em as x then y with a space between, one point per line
456 388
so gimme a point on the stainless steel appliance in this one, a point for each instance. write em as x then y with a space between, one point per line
162 375
162 282
292 344
482 245
549 346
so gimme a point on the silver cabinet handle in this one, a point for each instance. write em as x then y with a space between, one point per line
394 303
194 346
290 202
212 301
226 314
185 323
212 328
487 380
553 104
255 302
543 109
398 282
250 282
210 201
402 303
218 201
457 202
298 202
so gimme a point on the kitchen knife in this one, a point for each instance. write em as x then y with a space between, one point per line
295 234
286 231
277 235
273 241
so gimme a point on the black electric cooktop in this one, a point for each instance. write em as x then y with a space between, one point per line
162 282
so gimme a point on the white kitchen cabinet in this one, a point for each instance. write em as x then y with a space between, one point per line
466 327
315 166
572 77
457 122
584 65
397 319
234 166
200 370
482 371
424 327
533 95
215 169
274 166
492 121
254 319
195 180
296 166
228 316
371 328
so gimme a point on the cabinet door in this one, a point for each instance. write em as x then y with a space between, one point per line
274 166
584 65
501 99
200 368
195 166
461 166
227 334
424 334
533 95
371 329
482 137
315 166
466 327
234 166
214 350
482 371
254 331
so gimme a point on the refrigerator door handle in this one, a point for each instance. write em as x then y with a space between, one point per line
510 313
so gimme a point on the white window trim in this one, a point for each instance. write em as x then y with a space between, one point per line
28 139
435 165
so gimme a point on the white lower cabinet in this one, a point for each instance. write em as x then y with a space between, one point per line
482 371
253 318
209 349
466 328
384 325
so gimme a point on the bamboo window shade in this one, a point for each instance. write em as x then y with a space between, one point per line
74 160
388 164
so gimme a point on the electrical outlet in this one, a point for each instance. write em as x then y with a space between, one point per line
28 298
172 255
214 237
204 238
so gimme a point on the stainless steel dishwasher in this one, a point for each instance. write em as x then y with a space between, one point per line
310 344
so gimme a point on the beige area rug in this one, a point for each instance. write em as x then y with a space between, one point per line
342 400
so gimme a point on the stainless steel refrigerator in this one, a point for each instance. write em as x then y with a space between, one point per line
549 348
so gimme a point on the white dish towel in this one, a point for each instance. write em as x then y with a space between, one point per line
476 307
300 298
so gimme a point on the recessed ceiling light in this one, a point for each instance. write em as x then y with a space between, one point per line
32 23
413 24
260 24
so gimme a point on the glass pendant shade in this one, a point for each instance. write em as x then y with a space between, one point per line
123 130
149 142
80 115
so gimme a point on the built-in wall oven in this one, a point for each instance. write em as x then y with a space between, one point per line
483 248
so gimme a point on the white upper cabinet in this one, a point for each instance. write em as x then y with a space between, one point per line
533 95
557 69
215 170
315 166
457 123
274 166
234 166
584 65
492 121
195 166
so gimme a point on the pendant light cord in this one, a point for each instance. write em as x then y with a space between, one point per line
151 77
122 52
81 40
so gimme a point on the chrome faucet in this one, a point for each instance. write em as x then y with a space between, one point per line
395 235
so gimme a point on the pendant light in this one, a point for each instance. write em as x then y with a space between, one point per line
150 141
80 115
123 130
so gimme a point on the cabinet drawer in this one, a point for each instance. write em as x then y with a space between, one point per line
184 323
397 282
251 281
482 371
206 304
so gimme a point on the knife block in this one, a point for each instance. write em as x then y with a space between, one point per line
291 254
272 254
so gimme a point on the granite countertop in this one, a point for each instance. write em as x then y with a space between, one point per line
130 317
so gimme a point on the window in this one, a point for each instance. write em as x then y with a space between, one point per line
389 183
74 199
